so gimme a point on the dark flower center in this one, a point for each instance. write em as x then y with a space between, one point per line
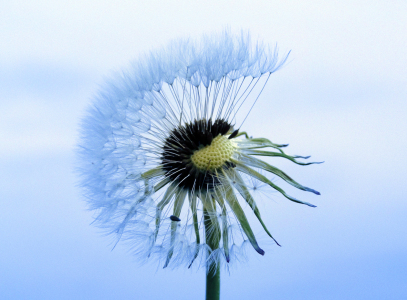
182 143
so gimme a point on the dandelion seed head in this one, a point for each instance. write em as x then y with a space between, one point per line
161 162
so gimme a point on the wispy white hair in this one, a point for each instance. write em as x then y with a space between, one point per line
124 129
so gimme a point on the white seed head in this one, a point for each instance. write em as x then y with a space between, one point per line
158 161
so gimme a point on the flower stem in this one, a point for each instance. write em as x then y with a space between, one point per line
213 269
213 283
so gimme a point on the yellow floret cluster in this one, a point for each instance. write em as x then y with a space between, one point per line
214 155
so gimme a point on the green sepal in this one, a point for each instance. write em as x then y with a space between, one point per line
225 233
280 154
262 143
192 204
242 189
242 133
243 168
153 173
257 163
211 232
161 184
169 193
178 203
233 203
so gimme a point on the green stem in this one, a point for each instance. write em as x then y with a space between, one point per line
213 284
213 270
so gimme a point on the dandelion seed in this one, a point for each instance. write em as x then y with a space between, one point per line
162 159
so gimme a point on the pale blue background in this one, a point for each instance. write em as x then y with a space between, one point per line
342 99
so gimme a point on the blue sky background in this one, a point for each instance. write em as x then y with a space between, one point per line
341 98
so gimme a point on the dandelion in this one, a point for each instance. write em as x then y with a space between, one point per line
165 166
